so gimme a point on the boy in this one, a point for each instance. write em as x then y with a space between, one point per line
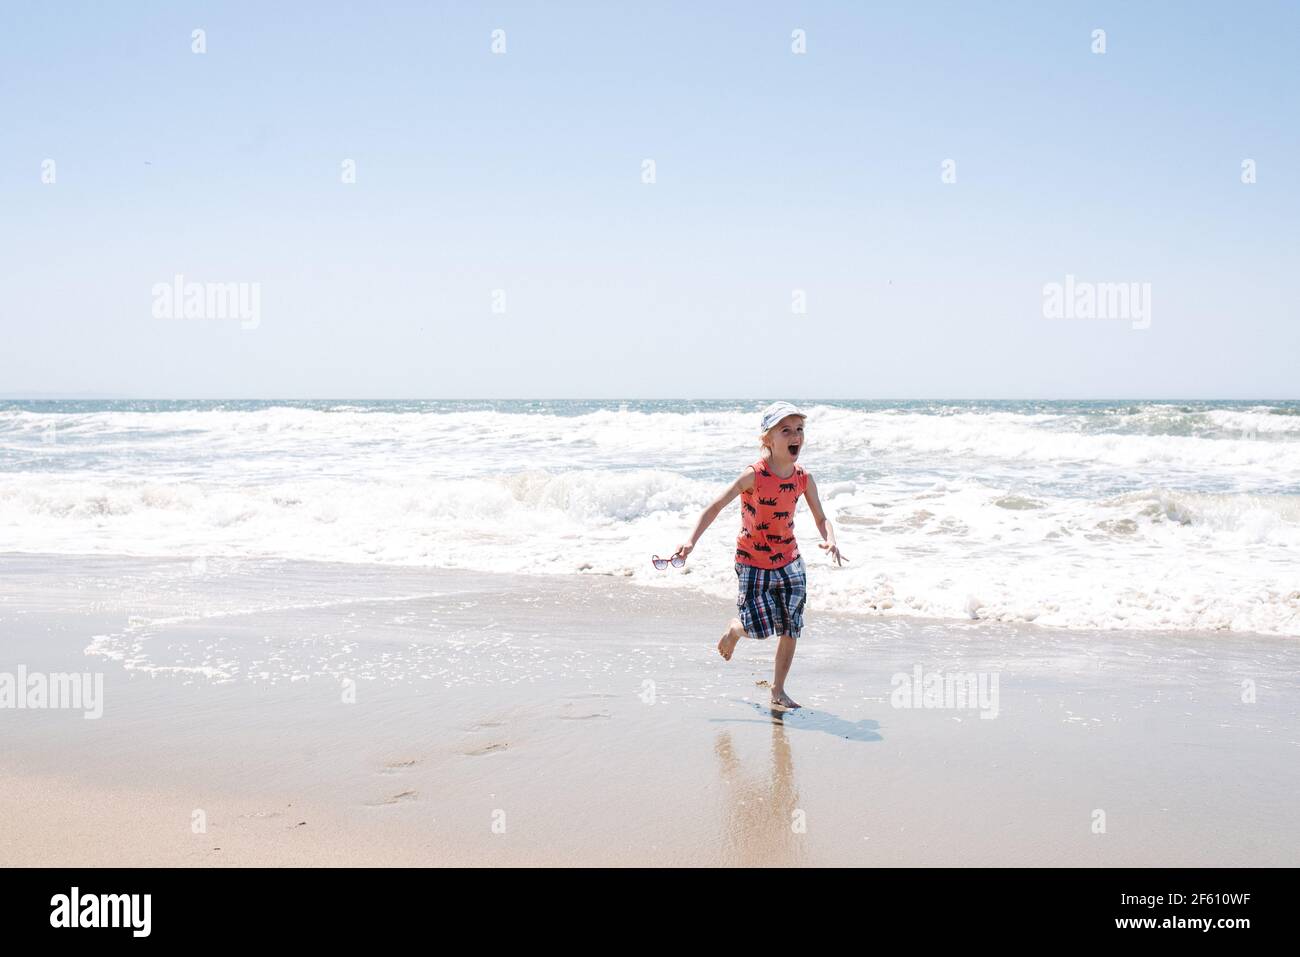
769 568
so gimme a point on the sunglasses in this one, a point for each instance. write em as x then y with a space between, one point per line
661 563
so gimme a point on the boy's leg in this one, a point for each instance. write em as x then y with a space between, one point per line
791 591
784 657
735 631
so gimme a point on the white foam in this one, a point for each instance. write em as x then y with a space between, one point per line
1044 517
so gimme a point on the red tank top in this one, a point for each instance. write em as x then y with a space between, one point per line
766 538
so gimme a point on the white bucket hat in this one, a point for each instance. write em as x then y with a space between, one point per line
777 411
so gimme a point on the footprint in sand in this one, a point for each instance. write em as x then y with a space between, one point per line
399 797
575 711
486 749
396 767
263 815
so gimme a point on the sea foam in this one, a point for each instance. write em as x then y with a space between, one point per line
1149 516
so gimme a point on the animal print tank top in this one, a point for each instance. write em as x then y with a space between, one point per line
766 538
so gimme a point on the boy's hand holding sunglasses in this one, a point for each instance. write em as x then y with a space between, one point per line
677 560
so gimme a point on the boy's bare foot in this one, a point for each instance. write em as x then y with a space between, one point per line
732 635
783 700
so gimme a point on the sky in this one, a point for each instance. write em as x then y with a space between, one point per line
500 239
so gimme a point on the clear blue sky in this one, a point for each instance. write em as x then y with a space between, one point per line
775 172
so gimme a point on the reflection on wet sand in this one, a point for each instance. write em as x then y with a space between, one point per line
763 823
761 806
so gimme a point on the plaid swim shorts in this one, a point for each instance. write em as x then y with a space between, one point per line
771 600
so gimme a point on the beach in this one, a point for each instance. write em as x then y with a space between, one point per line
405 409
274 711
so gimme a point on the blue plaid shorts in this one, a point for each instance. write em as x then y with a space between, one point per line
771 600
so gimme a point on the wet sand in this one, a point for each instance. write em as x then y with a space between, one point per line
300 713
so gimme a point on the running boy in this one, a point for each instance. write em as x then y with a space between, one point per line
771 572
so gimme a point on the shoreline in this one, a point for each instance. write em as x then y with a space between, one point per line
533 720
689 594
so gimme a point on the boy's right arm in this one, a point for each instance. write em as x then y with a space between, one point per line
744 483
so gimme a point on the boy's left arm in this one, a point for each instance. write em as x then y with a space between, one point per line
823 523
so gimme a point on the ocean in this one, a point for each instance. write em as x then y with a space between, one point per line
1121 515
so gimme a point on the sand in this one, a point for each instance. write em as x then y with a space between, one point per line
272 713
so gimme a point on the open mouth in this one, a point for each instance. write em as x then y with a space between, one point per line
794 450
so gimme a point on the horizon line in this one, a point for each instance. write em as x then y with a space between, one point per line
108 397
